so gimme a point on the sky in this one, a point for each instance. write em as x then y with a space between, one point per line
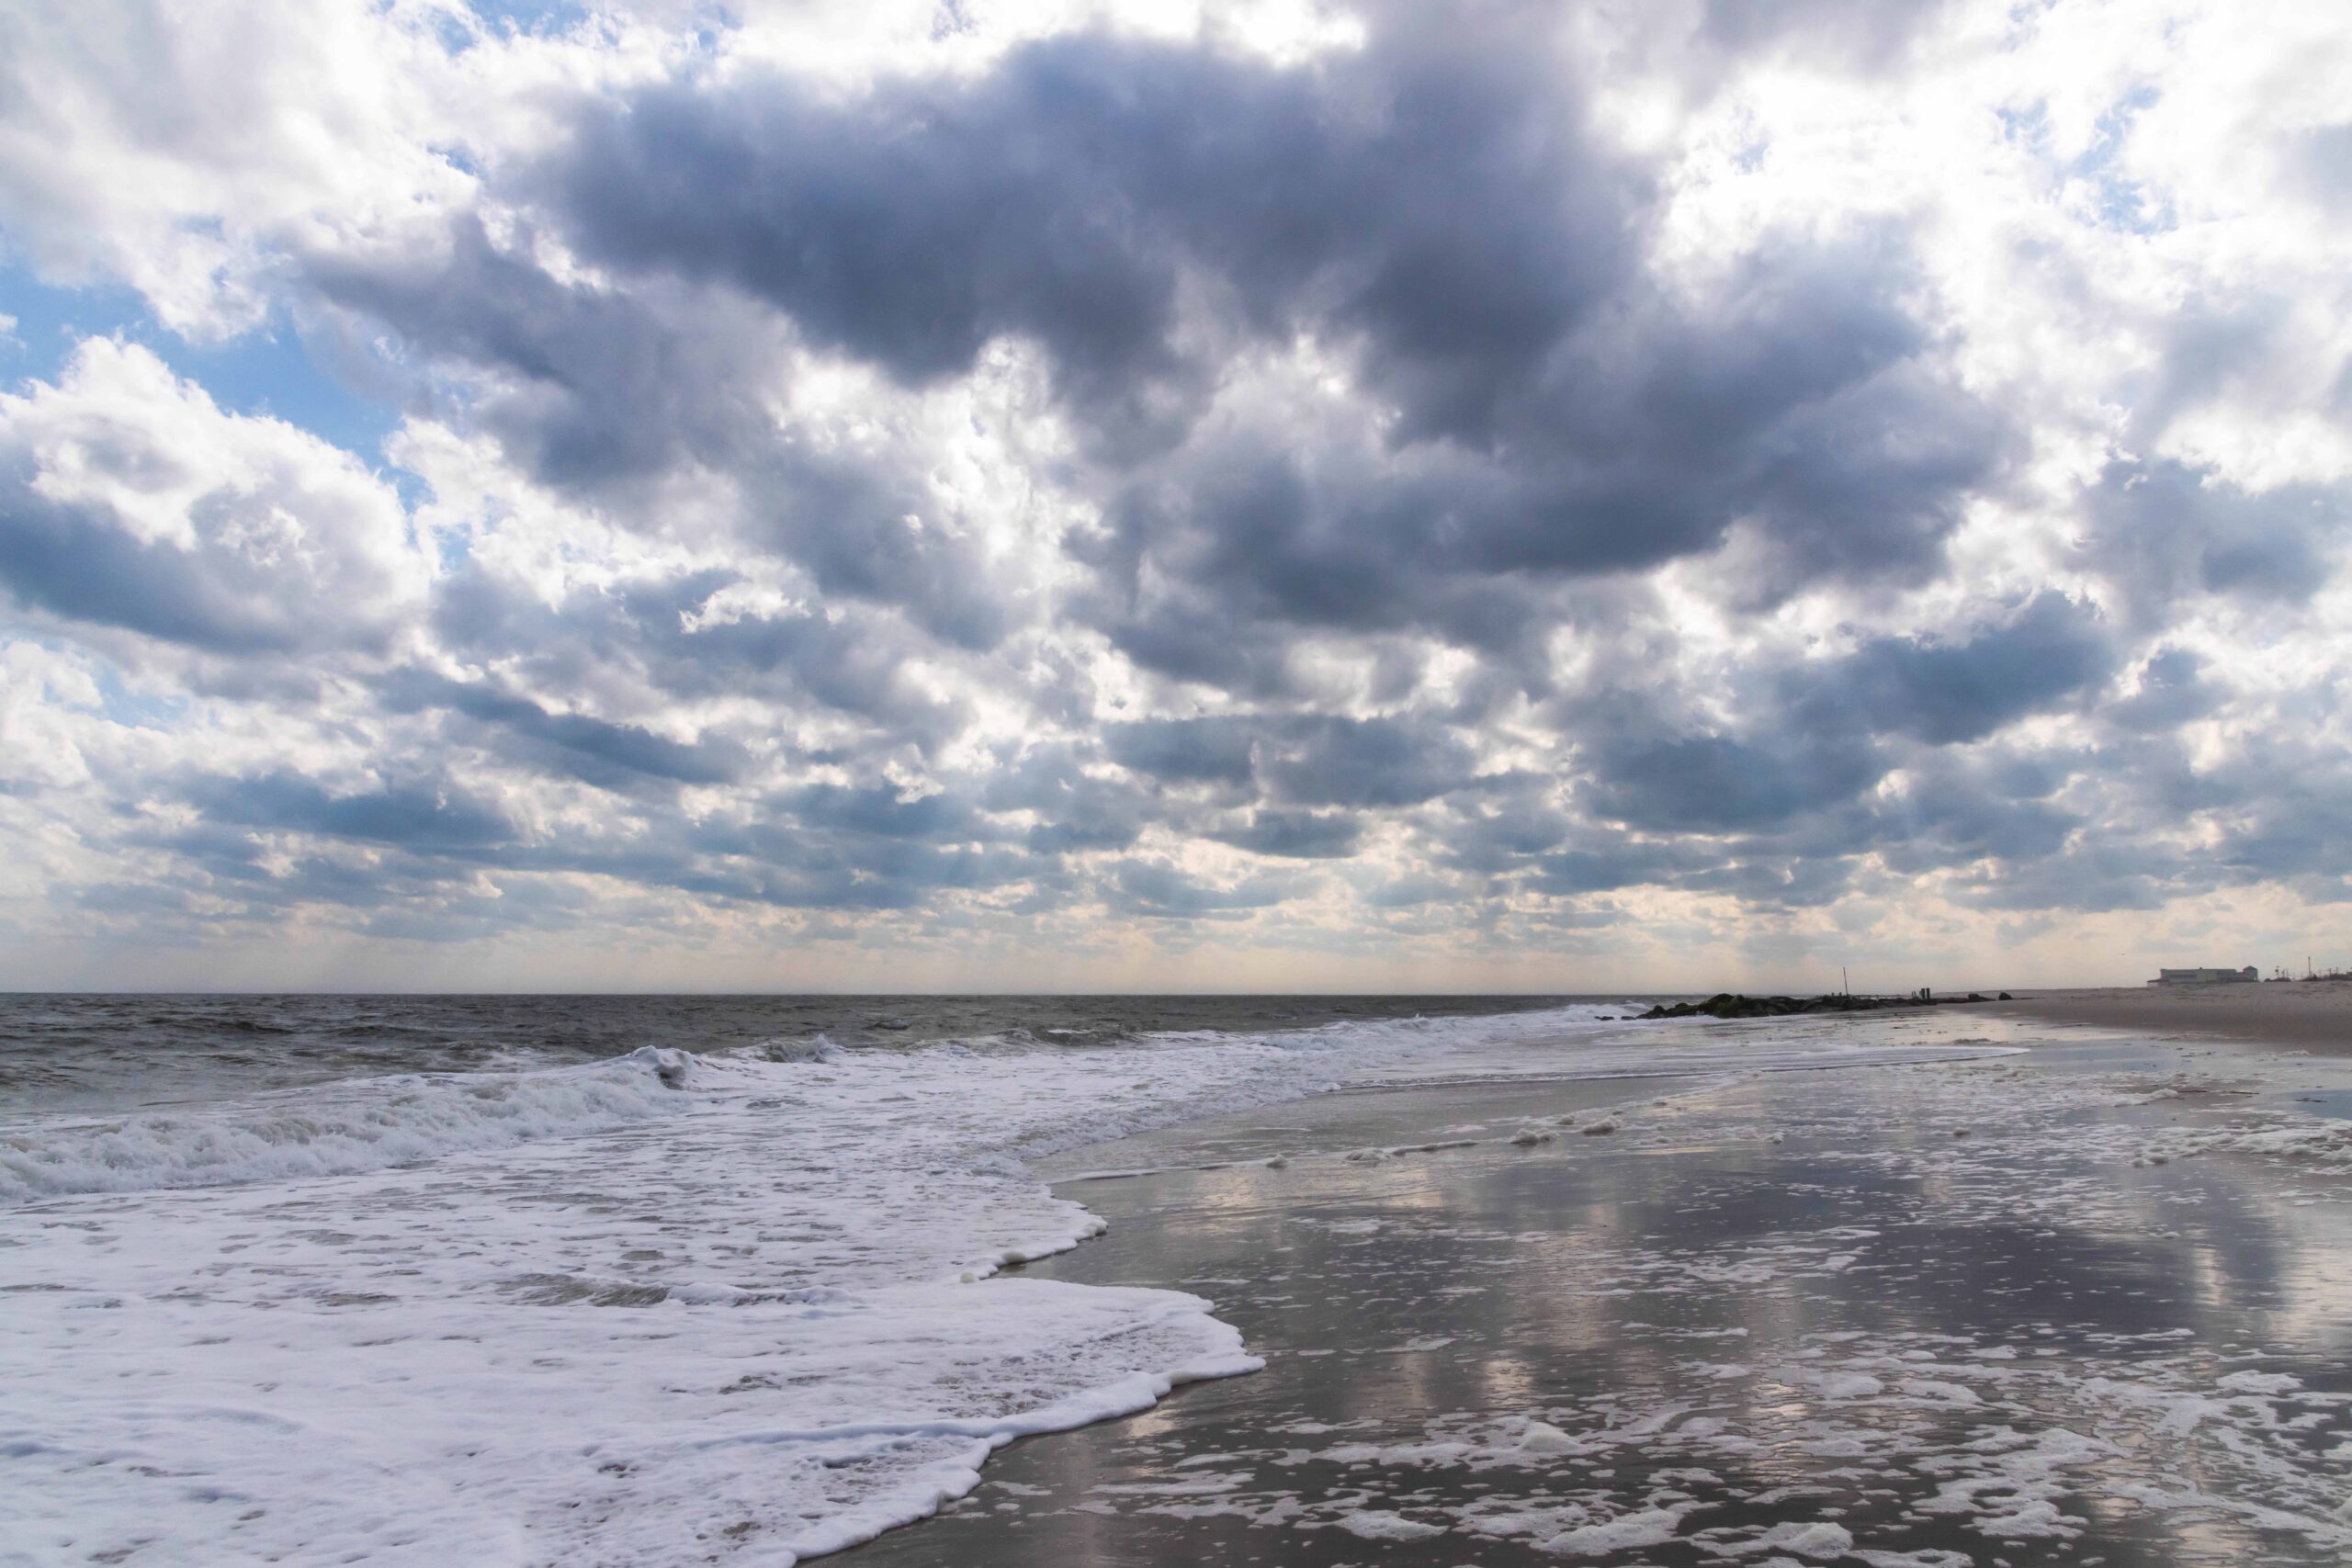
1644 494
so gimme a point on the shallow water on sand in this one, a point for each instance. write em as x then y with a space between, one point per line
2089 1305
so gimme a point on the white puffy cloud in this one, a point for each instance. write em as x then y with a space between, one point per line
132 502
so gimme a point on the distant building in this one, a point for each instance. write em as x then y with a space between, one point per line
2203 976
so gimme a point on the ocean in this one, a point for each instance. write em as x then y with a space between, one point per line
656 1282
590 1278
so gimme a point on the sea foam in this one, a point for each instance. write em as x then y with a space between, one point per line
335 1129
666 1308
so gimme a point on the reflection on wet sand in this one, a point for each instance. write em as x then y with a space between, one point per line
1996 1312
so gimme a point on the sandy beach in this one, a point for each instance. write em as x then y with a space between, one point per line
2314 1015
2049 1308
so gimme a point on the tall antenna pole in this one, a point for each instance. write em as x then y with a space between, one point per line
1843 981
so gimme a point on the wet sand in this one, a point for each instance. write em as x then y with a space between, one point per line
2316 1015
2026 1310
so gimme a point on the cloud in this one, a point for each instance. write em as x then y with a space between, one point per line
1155 889
1716 784
148 144
2173 691
128 499
1300 759
1328 759
673 636
1187 750
2167 530
1065 195
2045 652
1860 35
580 384
418 817
1468 486
611 755
1072 808
1296 835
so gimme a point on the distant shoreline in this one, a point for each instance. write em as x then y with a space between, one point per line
2316 1016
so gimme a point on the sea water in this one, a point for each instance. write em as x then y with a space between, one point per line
631 1281
588 1281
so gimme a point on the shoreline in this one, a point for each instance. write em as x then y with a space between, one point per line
2314 1016
1855 1310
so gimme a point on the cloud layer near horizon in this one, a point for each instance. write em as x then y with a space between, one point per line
1285 495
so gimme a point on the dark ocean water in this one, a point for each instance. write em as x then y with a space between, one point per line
65 1051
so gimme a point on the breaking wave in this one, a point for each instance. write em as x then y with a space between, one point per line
337 1129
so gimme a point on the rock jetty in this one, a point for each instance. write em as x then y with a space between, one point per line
1724 1004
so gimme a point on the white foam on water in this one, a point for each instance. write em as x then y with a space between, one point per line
665 1309
1378 1524
332 1129
2320 1143
1646 1526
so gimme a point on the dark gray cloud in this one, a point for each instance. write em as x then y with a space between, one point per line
2045 653
1787 883
1295 835
1717 783
1314 760
2165 530
1158 890
1492 833
653 631
127 500
1370 763
53 559
1954 813
2325 161
614 756
2173 691
1864 34
435 818
1793 795
2283 805
593 385
882 812
1073 809
1186 750
1063 196
2092 879
603 393
1801 406
1626 862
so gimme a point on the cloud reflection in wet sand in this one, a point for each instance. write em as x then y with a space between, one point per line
1996 1310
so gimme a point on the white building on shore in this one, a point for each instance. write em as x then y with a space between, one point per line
2204 977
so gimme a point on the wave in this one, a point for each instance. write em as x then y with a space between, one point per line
351 1125
338 1129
